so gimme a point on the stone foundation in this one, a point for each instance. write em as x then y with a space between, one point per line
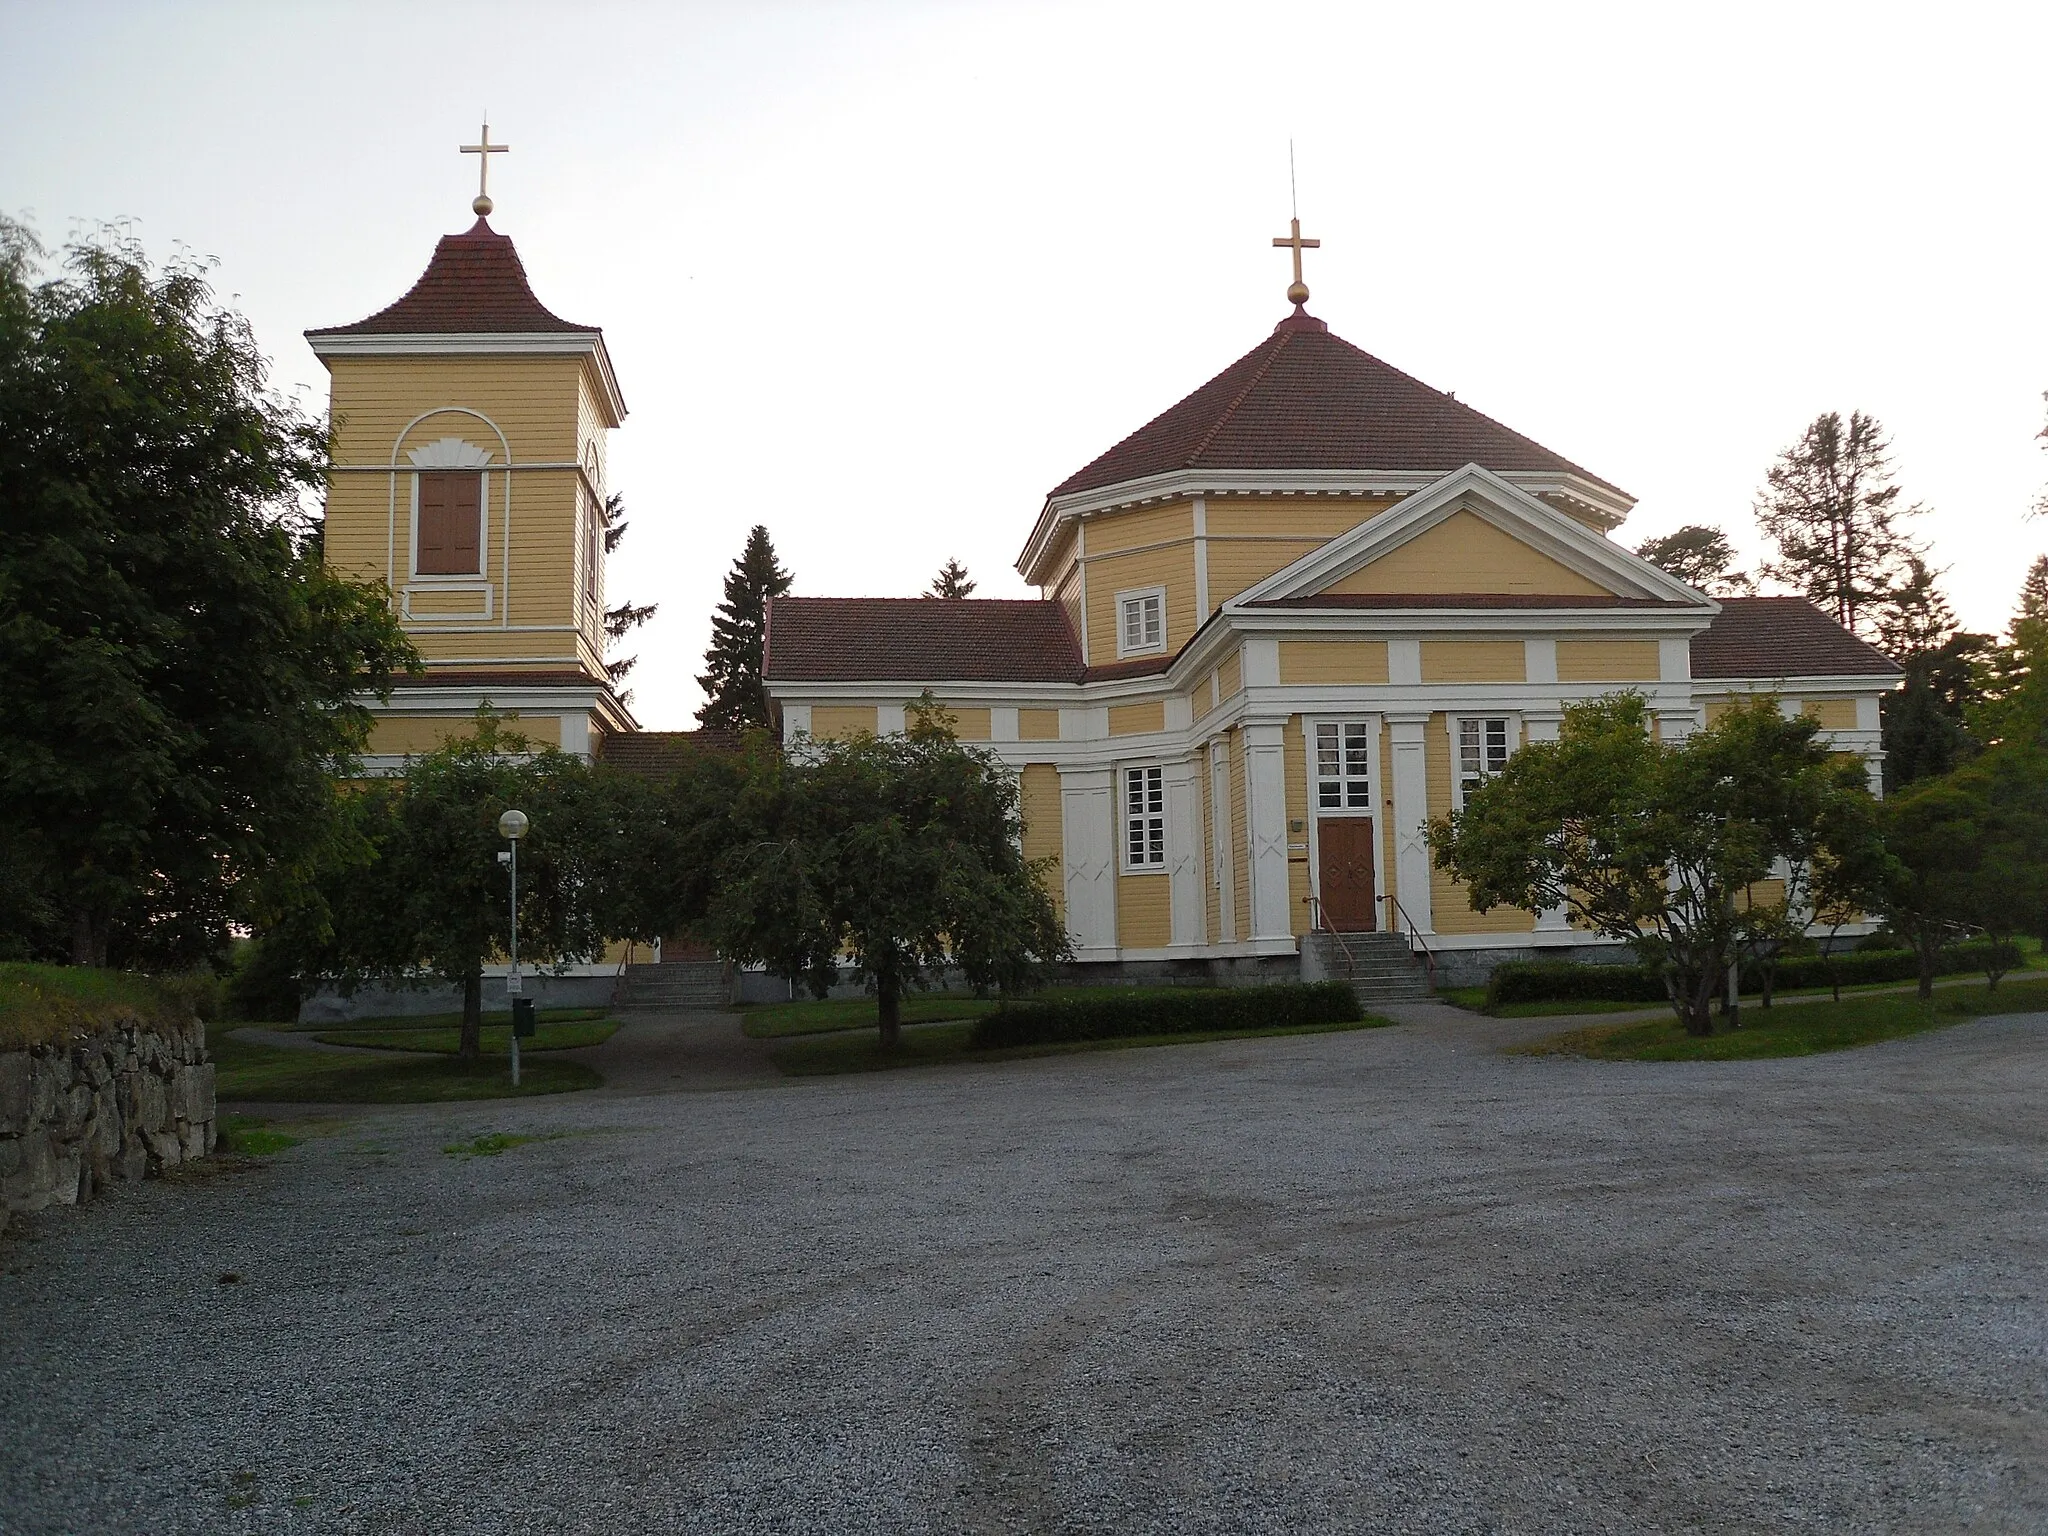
128 1101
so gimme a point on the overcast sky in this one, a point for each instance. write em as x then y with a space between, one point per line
879 275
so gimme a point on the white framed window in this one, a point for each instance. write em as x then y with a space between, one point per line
1343 765
1480 745
1144 818
1141 621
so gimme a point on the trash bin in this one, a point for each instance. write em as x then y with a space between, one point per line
523 1018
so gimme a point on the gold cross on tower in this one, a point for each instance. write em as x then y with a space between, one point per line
1297 291
486 149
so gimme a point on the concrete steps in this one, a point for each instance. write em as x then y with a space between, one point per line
1380 966
674 984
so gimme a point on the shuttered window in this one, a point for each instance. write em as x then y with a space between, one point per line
451 523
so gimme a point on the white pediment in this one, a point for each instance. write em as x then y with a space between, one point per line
449 453
1473 532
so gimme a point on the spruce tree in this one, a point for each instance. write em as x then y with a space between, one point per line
733 696
1832 509
1700 555
2034 591
952 581
623 619
1916 618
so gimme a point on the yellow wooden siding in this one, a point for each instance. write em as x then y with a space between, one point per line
1039 804
464 602
1333 661
1320 518
1236 565
1451 912
1295 752
1172 568
1144 911
1230 676
1765 893
1831 714
1607 661
1465 553
969 724
1137 719
1240 857
1109 532
453 642
842 719
1038 725
1067 593
533 401
395 735
1716 708
1473 661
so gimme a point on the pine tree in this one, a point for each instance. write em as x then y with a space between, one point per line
1832 509
733 695
626 617
1700 555
952 581
2034 591
1916 618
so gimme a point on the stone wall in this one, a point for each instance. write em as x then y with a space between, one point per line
129 1100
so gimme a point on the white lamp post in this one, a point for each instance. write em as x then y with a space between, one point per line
512 825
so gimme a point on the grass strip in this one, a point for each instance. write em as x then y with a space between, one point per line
396 1022
276 1074
491 1143
1803 1030
930 1045
248 1136
497 1038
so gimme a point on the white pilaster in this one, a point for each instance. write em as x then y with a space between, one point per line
1404 664
576 735
1184 853
1674 658
1002 723
1201 561
1411 813
1539 660
888 719
796 721
1542 726
1088 857
1265 771
1261 662
1084 723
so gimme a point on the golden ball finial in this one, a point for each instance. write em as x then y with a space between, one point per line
482 206
1297 293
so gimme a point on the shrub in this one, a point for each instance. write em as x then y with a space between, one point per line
1167 1013
1551 981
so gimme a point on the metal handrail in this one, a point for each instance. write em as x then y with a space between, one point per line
1415 938
1315 912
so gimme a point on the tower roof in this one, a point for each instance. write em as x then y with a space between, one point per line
1306 399
475 285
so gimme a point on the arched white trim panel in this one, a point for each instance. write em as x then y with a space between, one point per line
391 523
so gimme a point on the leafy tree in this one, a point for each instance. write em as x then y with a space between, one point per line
897 853
1830 506
423 897
733 695
1656 843
179 674
622 619
1701 556
1926 722
952 581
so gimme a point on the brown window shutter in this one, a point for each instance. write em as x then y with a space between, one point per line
451 502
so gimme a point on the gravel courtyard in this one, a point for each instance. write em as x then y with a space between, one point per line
1384 1281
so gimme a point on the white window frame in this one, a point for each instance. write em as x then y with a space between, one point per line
1123 601
1512 722
421 578
1366 784
1150 817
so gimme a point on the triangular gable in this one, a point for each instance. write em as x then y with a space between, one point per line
1472 532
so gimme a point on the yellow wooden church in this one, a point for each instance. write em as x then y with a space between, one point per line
1279 626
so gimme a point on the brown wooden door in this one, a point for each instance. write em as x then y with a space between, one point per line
1349 902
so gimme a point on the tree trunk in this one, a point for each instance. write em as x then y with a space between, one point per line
85 946
472 1047
1927 953
889 1006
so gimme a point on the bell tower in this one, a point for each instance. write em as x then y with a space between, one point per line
468 475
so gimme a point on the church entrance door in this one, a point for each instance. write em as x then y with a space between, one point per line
1350 899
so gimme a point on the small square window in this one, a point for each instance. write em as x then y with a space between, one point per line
1141 621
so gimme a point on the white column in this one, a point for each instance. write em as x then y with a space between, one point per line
1223 869
1411 814
1088 857
1543 727
1265 773
1184 854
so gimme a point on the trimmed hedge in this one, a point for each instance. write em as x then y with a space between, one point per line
1167 1013
1551 981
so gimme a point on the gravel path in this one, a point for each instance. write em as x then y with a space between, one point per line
1382 1281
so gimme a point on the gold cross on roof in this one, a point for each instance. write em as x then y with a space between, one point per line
1297 291
486 149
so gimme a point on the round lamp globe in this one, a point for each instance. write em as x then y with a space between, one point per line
513 825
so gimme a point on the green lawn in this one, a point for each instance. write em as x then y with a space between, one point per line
423 1021
1473 999
497 1038
926 1045
43 1003
1801 1030
280 1074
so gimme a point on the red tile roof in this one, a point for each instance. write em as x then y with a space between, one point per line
1305 399
907 639
1462 600
1782 637
474 285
